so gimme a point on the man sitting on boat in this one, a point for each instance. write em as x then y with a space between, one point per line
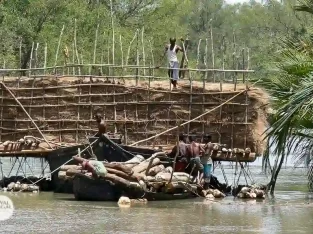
182 160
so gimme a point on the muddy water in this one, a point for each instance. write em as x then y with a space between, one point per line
291 211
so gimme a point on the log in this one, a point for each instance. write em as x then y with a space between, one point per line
117 180
133 177
62 175
72 172
155 170
141 167
119 167
173 186
156 185
134 161
67 167
165 176
168 169
149 179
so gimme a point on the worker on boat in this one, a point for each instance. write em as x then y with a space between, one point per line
206 159
181 161
101 124
195 151
171 51
95 167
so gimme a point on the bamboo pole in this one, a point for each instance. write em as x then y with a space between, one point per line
212 49
30 118
113 32
1 113
58 48
75 45
129 47
143 50
95 48
45 58
205 61
31 60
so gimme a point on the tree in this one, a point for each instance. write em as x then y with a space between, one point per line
291 90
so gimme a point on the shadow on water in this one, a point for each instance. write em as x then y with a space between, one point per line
290 211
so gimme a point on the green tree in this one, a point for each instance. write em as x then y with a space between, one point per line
291 91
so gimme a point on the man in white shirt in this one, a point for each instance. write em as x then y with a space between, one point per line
171 51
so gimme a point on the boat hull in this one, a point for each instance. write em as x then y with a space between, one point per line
89 189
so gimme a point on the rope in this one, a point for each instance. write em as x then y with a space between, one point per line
198 117
62 164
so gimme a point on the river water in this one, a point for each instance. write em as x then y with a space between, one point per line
291 211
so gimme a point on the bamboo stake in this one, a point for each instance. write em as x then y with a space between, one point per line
143 50
129 47
212 49
31 60
152 58
36 54
58 48
20 49
122 53
205 78
95 48
198 53
45 59
75 45
113 32
1 114
30 118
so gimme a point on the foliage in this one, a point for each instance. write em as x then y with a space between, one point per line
291 130
253 25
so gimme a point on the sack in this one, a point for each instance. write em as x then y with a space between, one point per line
99 168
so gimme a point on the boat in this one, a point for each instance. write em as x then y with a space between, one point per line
90 189
105 148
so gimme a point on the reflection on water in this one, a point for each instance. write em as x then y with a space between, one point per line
290 211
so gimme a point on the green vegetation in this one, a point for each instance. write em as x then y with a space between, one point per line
291 91
251 25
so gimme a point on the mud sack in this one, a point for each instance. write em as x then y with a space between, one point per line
99 168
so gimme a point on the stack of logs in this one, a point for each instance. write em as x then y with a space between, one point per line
252 192
18 187
148 174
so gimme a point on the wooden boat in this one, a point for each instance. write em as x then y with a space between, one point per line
90 189
105 148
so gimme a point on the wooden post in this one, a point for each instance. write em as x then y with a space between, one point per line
205 61
45 59
75 45
58 48
143 50
1 113
31 61
212 49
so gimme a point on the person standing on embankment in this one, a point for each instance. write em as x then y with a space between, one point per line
171 51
